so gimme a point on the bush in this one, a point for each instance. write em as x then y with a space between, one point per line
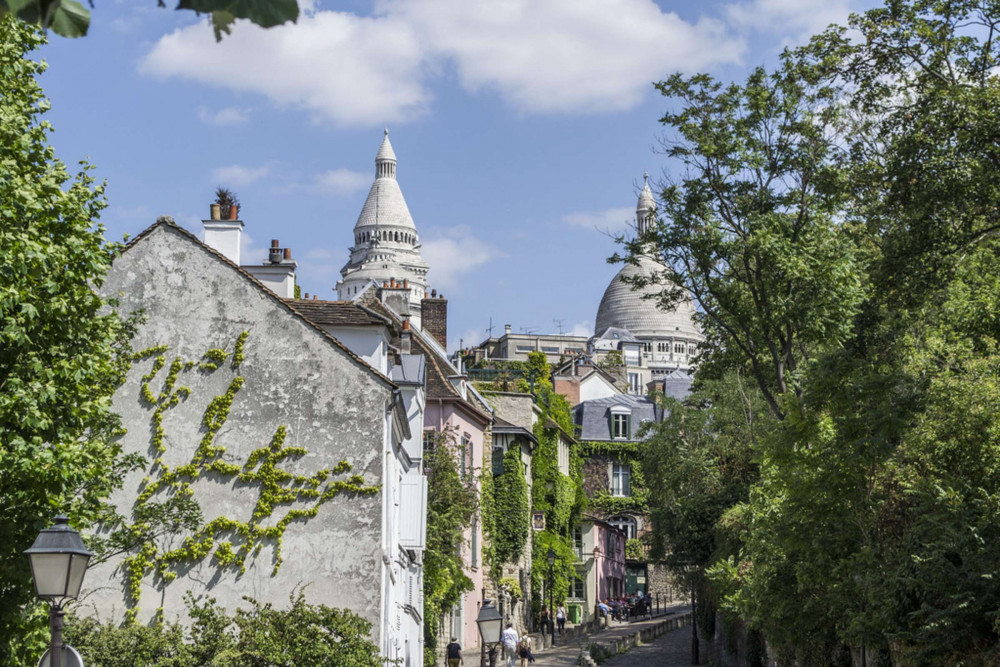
259 636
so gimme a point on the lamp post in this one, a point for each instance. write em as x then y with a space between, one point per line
489 622
58 560
694 626
551 556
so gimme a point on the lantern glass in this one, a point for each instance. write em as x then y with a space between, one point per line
490 623
77 568
49 571
551 556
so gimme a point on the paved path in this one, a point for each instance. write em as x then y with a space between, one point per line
569 655
672 649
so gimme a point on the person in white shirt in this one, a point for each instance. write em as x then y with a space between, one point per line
510 640
561 618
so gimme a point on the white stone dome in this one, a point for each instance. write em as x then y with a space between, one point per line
625 308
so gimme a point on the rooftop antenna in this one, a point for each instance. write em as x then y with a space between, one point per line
489 329
559 325
529 330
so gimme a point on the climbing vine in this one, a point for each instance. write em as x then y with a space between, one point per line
621 452
167 492
511 521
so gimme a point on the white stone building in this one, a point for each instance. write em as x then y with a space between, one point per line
654 344
386 248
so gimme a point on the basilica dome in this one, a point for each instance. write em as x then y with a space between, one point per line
625 308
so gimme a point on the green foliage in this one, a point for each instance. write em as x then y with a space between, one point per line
451 505
63 352
754 226
635 550
512 586
259 636
166 509
512 519
612 359
69 18
841 213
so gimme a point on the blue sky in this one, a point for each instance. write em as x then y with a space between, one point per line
522 128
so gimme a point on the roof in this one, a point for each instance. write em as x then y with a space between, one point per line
385 204
501 425
166 222
385 151
337 313
615 333
592 416
646 201
625 308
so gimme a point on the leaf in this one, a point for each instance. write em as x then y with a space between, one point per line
71 19
265 13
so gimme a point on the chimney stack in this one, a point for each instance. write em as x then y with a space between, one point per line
274 254
434 317
506 329
307 296
404 338
223 235
287 256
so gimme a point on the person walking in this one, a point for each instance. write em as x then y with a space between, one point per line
455 653
544 621
561 618
510 641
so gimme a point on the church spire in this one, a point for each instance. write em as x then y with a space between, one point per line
385 159
645 209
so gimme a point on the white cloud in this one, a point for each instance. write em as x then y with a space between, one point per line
341 182
237 176
582 329
347 69
456 253
566 55
610 219
227 116
794 19
547 56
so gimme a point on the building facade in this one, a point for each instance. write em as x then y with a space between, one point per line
231 381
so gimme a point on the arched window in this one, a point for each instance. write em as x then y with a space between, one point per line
626 524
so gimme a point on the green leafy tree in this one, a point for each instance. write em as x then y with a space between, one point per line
451 504
69 18
62 351
751 231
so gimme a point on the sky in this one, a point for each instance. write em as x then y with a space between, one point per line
522 129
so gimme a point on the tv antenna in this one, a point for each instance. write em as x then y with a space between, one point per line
559 324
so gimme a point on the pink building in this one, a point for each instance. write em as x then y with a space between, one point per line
600 553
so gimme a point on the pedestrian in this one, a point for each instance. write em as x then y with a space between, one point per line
510 641
523 651
544 621
455 653
561 618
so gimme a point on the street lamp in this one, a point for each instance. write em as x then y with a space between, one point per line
551 556
694 625
489 622
58 560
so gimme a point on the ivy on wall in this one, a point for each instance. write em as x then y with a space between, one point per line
511 510
166 509
622 452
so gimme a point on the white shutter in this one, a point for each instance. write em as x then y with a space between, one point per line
413 512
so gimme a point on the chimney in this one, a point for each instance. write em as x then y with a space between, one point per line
434 317
315 296
307 296
274 254
506 329
225 236
287 256
404 338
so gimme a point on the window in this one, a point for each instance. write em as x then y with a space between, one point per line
464 453
578 540
621 480
633 383
692 349
430 440
626 524
475 543
678 348
550 350
525 348
620 425
576 588
497 460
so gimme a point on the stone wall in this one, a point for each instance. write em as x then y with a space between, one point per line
295 376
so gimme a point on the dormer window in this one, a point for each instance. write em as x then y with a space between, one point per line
621 427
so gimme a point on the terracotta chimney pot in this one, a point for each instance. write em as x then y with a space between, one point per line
214 212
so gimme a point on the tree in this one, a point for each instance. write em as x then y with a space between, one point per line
62 351
451 504
69 18
751 231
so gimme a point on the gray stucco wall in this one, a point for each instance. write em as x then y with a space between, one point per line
294 376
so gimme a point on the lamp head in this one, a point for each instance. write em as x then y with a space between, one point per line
59 559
